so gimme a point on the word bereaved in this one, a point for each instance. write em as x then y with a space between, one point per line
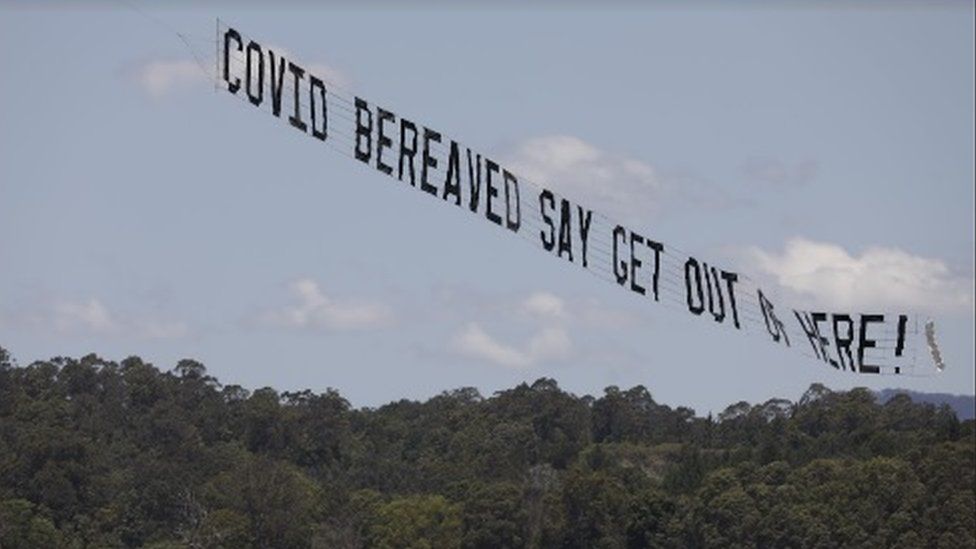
390 144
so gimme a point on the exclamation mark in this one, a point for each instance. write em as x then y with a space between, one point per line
900 346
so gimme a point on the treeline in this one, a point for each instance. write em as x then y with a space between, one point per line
95 453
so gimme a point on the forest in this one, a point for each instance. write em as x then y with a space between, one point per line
96 453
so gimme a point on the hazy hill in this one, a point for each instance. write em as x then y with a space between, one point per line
963 405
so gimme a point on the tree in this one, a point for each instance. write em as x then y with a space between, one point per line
494 516
24 526
416 522
596 510
277 503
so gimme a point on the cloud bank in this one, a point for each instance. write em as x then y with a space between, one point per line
161 78
91 317
317 311
610 183
775 172
550 340
879 278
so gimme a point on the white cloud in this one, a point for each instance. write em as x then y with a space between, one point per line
315 310
550 341
163 77
474 342
155 329
879 278
548 344
92 317
534 330
771 171
544 304
610 183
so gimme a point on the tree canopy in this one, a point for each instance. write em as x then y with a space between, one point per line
95 453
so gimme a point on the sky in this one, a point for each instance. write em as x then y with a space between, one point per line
825 151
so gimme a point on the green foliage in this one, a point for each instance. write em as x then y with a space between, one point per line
416 522
493 515
25 526
95 453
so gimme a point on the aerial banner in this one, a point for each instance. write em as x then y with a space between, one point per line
449 172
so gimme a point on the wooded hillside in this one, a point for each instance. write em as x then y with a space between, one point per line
95 453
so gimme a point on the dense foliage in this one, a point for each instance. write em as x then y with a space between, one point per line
103 454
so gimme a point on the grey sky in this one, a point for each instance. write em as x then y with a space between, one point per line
143 213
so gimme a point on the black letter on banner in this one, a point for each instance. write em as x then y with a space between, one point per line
296 118
313 84
866 343
429 161
452 184
405 151
474 181
231 34
277 82
364 130
692 263
565 233
492 192
658 248
383 140
730 279
511 182
772 321
844 343
252 46
900 345
585 220
811 331
712 280
635 264
824 342
619 267
547 242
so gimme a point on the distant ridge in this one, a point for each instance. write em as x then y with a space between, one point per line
963 405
